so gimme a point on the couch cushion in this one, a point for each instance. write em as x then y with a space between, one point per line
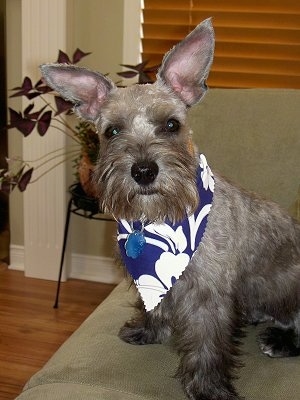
253 137
95 364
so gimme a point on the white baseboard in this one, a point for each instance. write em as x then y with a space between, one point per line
95 268
16 257
86 267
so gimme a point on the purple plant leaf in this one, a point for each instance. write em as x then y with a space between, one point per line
44 123
42 87
62 105
24 125
78 55
28 109
39 83
32 95
139 67
45 89
63 58
128 66
140 70
26 85
144 78
24 89
18 94
34 116
128 74
154 68
14 117
25 179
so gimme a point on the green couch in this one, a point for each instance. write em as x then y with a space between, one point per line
95 364
252 136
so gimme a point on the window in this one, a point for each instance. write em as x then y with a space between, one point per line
257 42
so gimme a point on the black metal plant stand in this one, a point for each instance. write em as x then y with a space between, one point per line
84 206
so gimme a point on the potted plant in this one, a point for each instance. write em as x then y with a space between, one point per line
18 173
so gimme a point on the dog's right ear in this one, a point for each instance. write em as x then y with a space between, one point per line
86 89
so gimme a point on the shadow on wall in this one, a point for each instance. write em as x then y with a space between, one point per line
4 229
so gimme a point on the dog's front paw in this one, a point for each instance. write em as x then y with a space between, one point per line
133 335
278 342
134 332
213 393
209 387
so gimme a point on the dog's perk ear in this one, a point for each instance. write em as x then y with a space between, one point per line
185 68
86 89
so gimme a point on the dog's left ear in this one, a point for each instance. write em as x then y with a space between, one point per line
185 68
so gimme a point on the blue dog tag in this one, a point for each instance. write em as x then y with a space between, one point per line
134 244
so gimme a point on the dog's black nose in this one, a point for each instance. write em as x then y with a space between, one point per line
144 172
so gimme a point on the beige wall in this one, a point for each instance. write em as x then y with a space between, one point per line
95 26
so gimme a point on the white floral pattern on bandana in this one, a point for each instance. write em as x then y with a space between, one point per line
168 247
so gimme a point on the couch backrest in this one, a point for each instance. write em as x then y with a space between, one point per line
252 136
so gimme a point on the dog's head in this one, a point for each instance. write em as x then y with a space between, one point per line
147 162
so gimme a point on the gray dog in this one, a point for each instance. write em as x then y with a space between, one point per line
230 257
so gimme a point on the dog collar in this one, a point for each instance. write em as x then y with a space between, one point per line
156 255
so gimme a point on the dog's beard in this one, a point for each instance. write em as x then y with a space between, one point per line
171 196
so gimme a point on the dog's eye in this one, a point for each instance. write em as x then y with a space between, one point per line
172 125
112 131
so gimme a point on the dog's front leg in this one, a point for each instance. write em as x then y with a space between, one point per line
205 341
145 327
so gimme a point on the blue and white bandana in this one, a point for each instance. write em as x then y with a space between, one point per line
156 255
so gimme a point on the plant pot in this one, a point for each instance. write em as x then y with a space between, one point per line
82 201
85 172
